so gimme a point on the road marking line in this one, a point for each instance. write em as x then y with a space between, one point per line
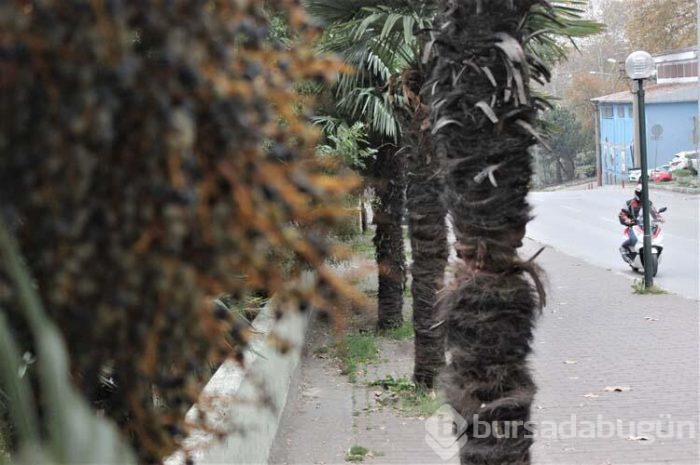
571 208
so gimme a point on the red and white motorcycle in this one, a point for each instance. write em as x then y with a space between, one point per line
634 257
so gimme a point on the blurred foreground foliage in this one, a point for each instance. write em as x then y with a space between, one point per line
73 433
156 156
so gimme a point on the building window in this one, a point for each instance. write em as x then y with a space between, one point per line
687 69
620 111
607 111
629 112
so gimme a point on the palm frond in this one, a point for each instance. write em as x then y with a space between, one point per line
373 107
379 40
549 28
336 11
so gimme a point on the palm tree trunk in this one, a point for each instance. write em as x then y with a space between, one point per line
427 232
483 116
389 185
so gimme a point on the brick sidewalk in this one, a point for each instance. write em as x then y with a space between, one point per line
594 334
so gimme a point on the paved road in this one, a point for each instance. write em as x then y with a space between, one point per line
583 223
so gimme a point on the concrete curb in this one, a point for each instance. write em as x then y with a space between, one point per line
557 187
252 427
682 190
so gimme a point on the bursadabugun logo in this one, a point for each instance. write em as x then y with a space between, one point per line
446 430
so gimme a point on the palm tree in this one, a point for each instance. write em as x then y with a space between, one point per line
484 114
386 45
358 32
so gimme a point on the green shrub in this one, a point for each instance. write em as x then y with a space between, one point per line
682 173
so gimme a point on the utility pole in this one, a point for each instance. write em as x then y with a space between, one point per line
640 66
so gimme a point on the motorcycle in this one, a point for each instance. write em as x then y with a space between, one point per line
635 257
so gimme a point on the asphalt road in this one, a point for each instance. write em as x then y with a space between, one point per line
584 224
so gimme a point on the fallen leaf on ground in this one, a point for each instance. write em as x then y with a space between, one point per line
617 389
311 392
637 438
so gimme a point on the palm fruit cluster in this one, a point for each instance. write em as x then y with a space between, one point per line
153 156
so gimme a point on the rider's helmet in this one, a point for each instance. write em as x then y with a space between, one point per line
638 192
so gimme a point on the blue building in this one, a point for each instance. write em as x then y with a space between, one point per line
671 118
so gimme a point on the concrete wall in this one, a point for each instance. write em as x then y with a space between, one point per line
617 136
237 391
678 122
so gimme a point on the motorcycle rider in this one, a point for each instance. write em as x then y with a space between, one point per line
628 217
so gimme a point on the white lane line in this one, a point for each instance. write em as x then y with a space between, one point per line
577 210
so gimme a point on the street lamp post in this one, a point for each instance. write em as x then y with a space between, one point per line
640 66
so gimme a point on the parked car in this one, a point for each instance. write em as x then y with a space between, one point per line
684 160
661 174
634 175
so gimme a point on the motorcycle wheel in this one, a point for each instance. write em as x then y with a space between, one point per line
654 264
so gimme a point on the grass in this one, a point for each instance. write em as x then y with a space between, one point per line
412 401
356 454
639 288
357 349
362 348
400 333
362 244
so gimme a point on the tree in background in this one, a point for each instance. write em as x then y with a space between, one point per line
584 87
661 25
485 57
653 25
349 145
354 32
134 176
567 141
596 58
391 33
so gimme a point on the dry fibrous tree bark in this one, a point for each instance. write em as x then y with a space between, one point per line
427 230
390 188
483 115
